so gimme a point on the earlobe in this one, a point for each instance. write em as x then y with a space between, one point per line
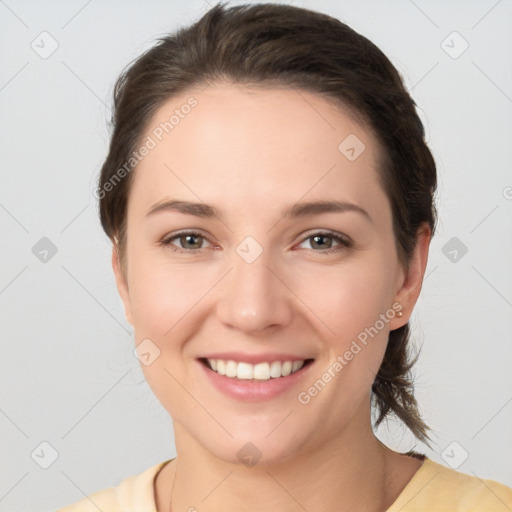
121 283
412 277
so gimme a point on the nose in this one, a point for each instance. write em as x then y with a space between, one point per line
254 297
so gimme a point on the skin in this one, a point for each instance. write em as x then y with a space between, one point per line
292 298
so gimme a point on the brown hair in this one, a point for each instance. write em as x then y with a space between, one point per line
273 44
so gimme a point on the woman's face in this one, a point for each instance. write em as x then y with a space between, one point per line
256 285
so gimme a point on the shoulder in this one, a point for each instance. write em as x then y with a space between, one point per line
134 493
435 487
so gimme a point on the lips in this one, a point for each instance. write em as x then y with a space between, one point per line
255 377
256 389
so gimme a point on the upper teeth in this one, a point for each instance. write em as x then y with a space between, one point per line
261 371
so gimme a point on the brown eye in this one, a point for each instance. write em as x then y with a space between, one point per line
323 241
189 241
320 241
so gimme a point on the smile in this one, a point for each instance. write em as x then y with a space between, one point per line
261 371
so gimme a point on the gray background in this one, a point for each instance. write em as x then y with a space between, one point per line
68 375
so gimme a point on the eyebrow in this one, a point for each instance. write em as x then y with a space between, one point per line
297 210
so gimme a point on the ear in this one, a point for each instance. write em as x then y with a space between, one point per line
411 279
121 283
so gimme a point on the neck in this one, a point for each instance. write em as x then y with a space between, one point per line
353 471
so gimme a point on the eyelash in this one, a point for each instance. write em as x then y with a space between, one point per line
344 242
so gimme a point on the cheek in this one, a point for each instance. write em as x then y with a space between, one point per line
354 304
349 298
350 309
162 294
164 300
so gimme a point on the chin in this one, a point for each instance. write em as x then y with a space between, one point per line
255 441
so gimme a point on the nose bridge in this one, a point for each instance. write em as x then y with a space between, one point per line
253 297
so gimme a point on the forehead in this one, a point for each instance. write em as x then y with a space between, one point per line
255 145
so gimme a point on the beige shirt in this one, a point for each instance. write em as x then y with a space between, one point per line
433 488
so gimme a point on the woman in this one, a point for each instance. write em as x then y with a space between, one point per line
270 200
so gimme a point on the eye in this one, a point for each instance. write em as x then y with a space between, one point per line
321 240
190 241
